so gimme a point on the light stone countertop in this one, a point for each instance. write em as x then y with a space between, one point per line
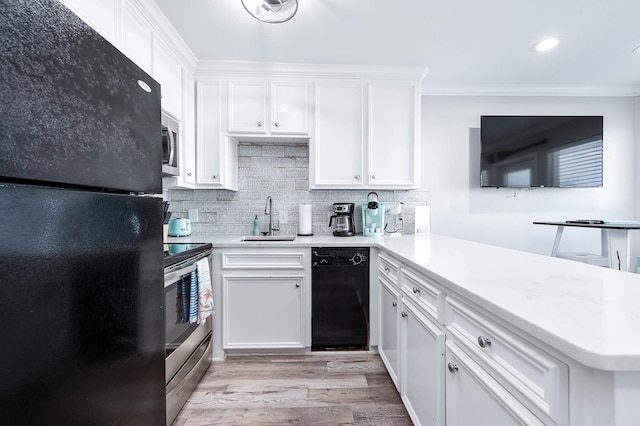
589 313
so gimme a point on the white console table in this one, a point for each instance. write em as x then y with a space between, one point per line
615 242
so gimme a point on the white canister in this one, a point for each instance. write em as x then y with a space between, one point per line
305 215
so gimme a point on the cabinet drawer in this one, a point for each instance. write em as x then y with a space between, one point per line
526 370
388 268
426 295
262 260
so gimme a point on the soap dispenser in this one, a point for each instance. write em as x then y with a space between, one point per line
256 226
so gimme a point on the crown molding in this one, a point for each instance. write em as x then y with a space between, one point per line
212 68
164 28
529 90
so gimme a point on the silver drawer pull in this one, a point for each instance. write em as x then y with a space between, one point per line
404 314
387 269
452 367
416 290
394 304
484 341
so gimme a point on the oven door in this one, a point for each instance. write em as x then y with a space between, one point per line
182 337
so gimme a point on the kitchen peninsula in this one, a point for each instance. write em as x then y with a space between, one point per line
555 339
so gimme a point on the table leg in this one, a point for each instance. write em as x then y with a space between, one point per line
618 249
556 243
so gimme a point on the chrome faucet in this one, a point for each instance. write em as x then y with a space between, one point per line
268 210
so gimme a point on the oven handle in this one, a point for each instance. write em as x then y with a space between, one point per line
172 277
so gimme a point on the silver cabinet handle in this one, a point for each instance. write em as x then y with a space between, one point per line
189 174
394 304
404 314
387 269
357 177
259 123
452 367
373 176
484 341
297 285
276 124
416 290
215 176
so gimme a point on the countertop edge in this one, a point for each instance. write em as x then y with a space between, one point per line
614 361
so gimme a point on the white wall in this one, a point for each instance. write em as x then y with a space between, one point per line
503 217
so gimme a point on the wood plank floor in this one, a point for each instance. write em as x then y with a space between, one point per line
324 388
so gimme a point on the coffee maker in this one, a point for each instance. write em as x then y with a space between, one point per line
342 220
373 216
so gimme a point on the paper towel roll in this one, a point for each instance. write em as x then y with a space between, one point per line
304 219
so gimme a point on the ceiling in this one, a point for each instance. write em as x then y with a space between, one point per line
467 45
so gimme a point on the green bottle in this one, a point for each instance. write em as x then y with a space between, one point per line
256 226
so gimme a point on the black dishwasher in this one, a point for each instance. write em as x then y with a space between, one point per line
339 298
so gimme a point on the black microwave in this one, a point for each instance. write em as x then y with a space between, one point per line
170 146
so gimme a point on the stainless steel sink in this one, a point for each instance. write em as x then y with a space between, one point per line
270 238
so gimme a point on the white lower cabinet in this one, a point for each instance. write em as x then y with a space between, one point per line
389 342
264 297
455 364
263 311
422 365
474 397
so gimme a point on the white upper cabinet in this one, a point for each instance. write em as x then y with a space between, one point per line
216 154
393 135
99 14
167 70
188 142
137 36
247 107
257 107
336 152
386 155
289 108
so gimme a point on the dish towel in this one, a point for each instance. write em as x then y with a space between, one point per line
193 298
205 293
185 283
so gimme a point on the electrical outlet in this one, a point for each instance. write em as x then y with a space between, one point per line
283 216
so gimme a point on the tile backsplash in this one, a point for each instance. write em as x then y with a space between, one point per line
279 170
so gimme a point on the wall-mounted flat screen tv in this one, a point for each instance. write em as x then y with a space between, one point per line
541 151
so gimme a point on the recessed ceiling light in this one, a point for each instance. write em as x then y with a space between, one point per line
546 44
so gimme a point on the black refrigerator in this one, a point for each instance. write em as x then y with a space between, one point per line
81 255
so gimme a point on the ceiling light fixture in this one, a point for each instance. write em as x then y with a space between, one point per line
546 44
271 11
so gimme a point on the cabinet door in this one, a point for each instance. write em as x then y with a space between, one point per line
247 107
167 70
389 342
263 311
188 141
99 14
209 133
337 151
289 108
393 135
473 397
136 36
422 364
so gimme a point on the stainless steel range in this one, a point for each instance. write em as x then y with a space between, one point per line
188 345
